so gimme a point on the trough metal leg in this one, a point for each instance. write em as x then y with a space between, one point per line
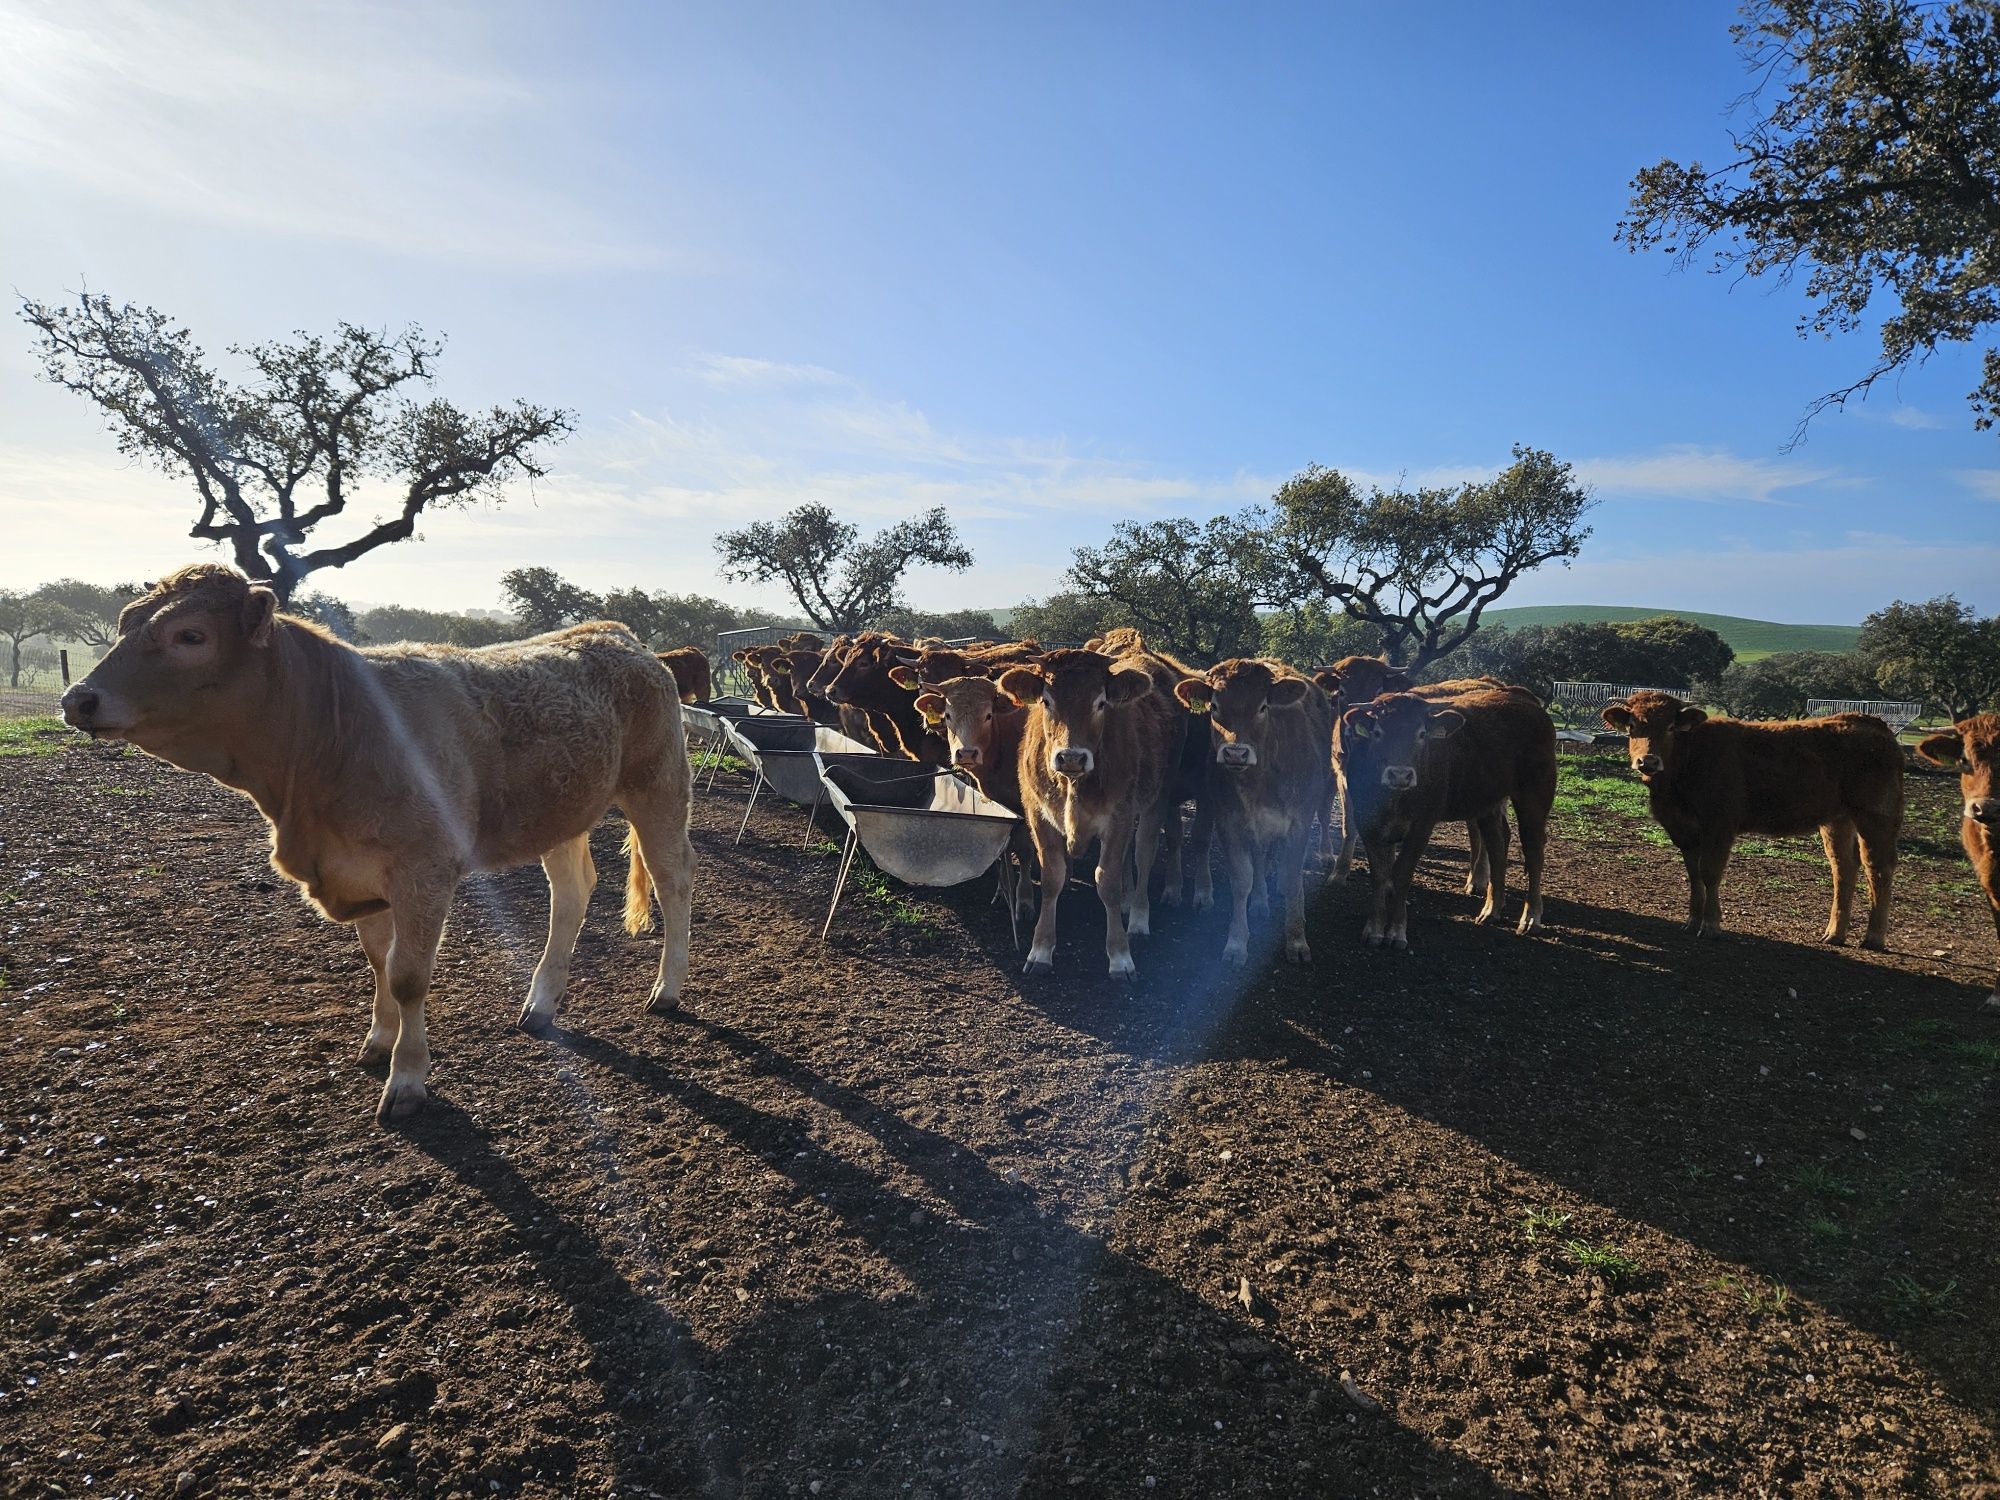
756 786
839 883
812 817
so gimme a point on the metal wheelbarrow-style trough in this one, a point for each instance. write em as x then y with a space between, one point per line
920 824
704 723
779 748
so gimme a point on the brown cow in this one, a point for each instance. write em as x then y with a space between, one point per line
918 670
1187 772
768 684
796 666
1412 764
854 722
984 728
388 775
689 664
1710 780
1096 758
863 682
1973 745
1270 727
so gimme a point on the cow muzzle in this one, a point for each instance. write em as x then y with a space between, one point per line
1648 765
965 755
83 707
1072 762
1399 778
1236 756
1984 810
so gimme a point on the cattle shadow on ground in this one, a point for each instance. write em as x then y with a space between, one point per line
1005 1367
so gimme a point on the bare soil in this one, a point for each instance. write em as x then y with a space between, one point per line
1607 1210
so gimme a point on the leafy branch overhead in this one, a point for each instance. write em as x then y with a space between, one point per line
285 452
841 582
1870 160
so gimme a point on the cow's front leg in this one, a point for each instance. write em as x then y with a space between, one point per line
1396 927
1114 849
419 918
1296 947
1714 859
1697 889
376 933
1381 862
1138 900
1052 849
1242 871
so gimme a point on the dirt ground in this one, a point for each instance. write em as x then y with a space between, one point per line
1610 1210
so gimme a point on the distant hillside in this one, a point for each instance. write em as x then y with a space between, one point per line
1749 639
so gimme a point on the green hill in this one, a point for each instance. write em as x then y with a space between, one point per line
1749 639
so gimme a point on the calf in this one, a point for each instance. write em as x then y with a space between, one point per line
1187 770
984 728
1973 745
689 664
1270 728
796 665
1095 759
1412 763
388 775
863 682
1710 780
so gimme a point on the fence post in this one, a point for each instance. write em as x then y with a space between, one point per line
63 657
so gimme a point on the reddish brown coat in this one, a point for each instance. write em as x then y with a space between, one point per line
692 676
1973 745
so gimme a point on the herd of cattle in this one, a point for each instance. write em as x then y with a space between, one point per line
389 774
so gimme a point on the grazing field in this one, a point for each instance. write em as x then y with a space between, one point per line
1750 639
1607 1209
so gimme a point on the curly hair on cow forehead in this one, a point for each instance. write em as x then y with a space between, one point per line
215 588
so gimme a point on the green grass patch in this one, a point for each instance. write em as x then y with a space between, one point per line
1542 1221
1598 799
1906 1297
1816 1179
42 734
889 901
1979 1054
1602 1259
1772 1298
1749 639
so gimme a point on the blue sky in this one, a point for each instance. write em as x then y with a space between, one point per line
1050 266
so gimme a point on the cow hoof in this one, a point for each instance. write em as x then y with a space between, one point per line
400 1100
1299 952
1399 945
1170 897
1529 923
1139 924
1203 901
1373 939
375 1050
1875 944
660 1003
1122 970
1259 909
1236 953
1992 1002
534 1021
1833 937
1036 965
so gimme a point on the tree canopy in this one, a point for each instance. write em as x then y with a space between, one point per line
1940 653
841 582
277 457
1422 565
542 599
1868 157
1192 588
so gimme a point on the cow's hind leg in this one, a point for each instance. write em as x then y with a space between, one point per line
376 933
1113 849
1294 846
661 860
1146 840
1052 849
419 918
1532 813
1878 859
1489 864
1843 855
572 877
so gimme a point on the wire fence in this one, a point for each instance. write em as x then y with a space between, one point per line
29 702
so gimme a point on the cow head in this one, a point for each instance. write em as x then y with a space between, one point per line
918 670
1651 722
194 648
1239 698
968 711
1078 692
1973 745
1362 679
831 660
1388 736
863 676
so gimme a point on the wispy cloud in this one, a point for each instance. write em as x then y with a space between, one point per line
356 124
1705 474
1984 483
1914 418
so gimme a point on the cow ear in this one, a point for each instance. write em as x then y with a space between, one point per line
260 613
1193 693
1287 691
737 656
1129 685
781 666
931 706
1360 720
1942 749
1617 716
1445 723
1024 685
1395 680
1328 682
904 676
1689 717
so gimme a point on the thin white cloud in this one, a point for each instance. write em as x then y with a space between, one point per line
373 126
1914 418
736 371
1704 474
1984 483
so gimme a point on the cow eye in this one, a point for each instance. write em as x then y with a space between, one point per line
190 637
1100 706
1263 708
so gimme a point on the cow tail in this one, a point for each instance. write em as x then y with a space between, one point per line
638 888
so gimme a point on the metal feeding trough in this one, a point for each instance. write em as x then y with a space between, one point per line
704 723
919 824
779 748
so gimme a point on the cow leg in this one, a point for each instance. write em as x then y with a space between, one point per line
1878 859
1714 860
1114 847
1993 896
1260 885
664 856
1478 875
419 925
1350 835
1490 866
1294 846
1145 848
1200 843
1236 849
1843 854
1697 890
1052 849
376 933
1533 816
572 877
1381 862
1397 916
1175 836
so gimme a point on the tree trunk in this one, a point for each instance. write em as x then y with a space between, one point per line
15 680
